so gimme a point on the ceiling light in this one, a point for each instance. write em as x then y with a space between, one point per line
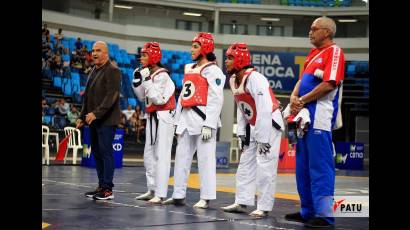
271 19
347 20
123 7
192 14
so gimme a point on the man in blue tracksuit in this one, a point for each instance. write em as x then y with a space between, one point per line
318 90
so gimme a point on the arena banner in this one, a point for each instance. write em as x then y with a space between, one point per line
282 69
117 145
349 155
222 154
287 156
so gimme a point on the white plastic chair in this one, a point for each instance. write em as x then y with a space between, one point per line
234 148
73 143
45 132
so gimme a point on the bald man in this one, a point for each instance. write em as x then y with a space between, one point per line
101 111
318 90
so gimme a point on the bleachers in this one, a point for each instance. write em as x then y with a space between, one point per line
305 3
73 82
356 86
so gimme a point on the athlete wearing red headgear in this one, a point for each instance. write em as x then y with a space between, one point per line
260 125
153 52
154 86
197 118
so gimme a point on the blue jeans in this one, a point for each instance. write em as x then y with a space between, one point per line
315 174
101 146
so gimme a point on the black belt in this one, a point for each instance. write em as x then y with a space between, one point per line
276 125
248 132
154 115
198 111
247 135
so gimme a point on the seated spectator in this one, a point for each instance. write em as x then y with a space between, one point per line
88 63
66 58
59 41
57 65
46 33
45 106
123 123
128 112
136 123
78 44
73 115
59 35
61 107
76 60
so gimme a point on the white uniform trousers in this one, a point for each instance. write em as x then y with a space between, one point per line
258 172
157 157
187 145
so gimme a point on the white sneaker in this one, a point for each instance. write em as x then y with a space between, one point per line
177 202
234 208
201 204
146 196
259 213
155 200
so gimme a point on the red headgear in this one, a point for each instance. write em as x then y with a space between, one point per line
241 55
154 52
206 40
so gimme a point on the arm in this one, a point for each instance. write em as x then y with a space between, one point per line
258 87
161 91
177 110
241 123
332 75
318 92
112 87
216 82
139 92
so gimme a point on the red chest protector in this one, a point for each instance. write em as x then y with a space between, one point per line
170 105
245 101
195 87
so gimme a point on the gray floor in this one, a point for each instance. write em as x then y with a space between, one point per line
65 207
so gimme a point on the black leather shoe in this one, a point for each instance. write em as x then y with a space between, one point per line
297 217
317 223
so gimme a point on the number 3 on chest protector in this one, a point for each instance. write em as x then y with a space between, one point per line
188 90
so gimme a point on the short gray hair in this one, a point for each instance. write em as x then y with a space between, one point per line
329 24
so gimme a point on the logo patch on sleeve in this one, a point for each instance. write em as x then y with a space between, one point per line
218 81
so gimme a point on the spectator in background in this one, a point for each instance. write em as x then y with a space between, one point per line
44 106
45 33
136 123
88 64
62 107
59 40
76 60
123 123
73 115
66 59
128 112
78 44
57 64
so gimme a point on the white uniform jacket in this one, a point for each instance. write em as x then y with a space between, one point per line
189 119
158 91
258 86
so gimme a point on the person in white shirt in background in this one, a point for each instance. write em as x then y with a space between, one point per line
128 112
260 127
197 119
153 85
